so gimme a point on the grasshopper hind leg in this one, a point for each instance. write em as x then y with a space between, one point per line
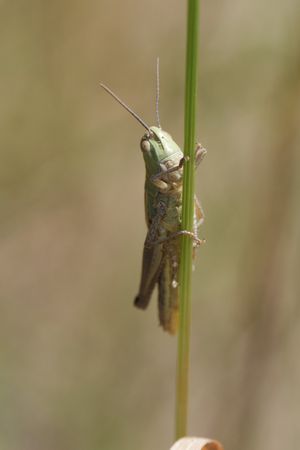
152 261
151 267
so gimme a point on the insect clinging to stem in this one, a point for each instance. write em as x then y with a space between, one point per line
164 163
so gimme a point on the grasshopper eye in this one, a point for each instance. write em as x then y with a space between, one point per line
145 145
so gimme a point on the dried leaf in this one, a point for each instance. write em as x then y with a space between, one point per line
194 443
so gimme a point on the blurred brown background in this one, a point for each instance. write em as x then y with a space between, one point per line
80 368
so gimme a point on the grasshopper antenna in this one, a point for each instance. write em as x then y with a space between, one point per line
126 107
157 93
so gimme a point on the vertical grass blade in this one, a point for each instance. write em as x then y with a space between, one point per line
187 218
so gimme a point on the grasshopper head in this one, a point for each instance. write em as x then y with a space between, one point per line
157 147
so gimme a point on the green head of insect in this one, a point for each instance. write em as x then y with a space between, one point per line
158 146
159 140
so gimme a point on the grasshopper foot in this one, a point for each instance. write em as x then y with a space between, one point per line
200 153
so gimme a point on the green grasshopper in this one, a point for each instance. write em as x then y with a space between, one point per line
164 162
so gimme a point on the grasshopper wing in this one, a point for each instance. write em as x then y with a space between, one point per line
168 296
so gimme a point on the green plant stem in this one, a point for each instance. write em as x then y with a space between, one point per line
187 219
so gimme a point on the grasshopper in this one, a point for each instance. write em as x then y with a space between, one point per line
164 163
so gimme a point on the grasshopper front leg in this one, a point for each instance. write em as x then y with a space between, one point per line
164 171
200 153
